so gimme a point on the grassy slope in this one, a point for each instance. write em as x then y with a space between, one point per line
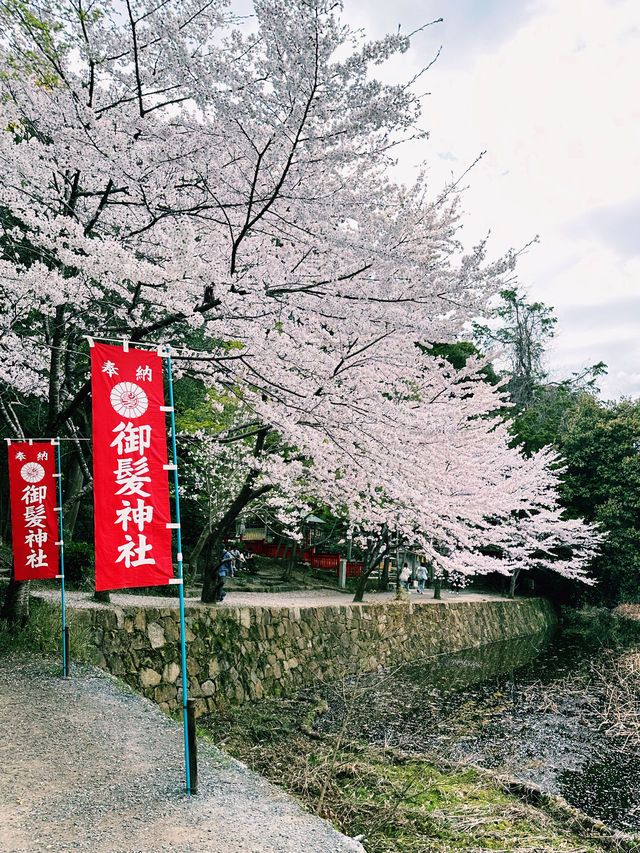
398 802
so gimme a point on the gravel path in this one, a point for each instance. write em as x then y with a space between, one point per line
87 765
236 598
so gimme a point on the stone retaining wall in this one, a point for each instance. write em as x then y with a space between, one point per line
238 654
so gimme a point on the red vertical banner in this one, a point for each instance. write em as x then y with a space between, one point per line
131 487
34 523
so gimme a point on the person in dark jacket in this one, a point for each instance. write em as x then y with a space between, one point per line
224 568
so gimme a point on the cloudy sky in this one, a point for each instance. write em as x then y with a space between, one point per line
549 89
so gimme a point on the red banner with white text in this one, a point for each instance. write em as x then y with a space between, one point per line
130 481
34 521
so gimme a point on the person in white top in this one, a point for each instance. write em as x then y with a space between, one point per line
405 576
422 576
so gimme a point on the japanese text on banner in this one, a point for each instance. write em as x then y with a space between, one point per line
33 501
133 542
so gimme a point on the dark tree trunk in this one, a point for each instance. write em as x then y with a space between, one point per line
102 595
370 564
210 570
16 603
280 540
372 559
15 608
218 534
198 551
288 572
384 576
512 583
5 523
437 587
75 483
213 543
361 586
56 367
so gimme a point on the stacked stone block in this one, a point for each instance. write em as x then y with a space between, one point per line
235 655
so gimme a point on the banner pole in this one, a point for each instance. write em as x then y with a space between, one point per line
65 633
180 576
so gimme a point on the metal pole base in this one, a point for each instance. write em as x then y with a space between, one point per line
193 745
65 662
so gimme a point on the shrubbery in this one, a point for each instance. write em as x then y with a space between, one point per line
597 627
41 635
79 563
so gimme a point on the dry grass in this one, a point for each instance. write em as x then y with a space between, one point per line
618 680
400 803
628 611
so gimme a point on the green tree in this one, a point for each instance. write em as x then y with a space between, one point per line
544 422
601 445
522 330
596 440
457 355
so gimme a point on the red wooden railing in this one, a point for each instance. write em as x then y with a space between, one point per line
331 562
326 562
354 570
269 549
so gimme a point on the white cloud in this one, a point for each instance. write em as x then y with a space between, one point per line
554 103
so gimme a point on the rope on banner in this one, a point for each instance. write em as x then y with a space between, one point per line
190 758
125 343
53 441
162 349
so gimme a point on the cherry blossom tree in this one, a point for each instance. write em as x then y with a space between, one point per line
419 460
165 175
168 177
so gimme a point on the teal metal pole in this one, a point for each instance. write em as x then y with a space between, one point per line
180 576
65 639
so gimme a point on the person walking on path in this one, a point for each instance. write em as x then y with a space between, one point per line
405 576
422 576
238 560
225 567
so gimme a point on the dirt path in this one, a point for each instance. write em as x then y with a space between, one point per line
237 598
87 765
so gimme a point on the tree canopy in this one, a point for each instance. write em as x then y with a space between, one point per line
168 177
